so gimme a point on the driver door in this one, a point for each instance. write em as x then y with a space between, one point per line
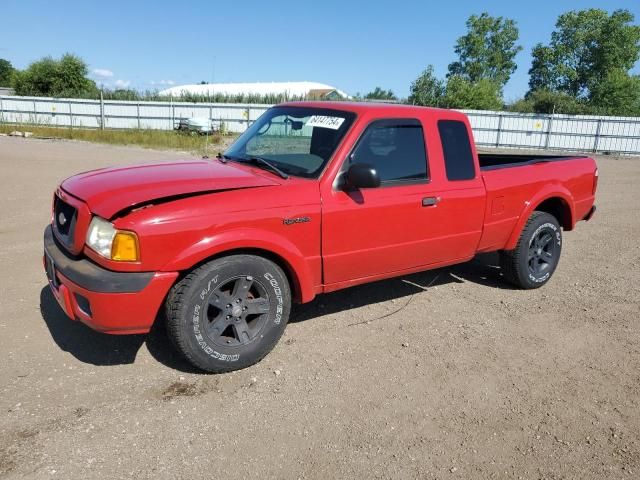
372 231
417 217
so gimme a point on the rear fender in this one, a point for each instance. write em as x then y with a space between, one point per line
549 192
251 239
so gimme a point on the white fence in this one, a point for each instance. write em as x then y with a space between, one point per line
582 133
78 113
491 129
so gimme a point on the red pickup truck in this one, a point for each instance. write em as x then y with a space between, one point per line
312 198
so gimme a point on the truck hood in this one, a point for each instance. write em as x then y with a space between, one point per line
110 190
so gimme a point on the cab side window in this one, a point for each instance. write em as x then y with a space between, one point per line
456 148
395 148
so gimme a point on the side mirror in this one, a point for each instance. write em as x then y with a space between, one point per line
362 175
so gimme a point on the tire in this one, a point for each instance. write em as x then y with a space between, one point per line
532 263
229 313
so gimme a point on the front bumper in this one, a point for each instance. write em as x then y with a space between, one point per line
107 301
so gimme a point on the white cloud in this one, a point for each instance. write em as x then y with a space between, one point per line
122 83
102 73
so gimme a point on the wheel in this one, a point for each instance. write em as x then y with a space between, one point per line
532 263
229 313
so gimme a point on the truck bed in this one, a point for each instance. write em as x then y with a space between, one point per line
492 161
537 177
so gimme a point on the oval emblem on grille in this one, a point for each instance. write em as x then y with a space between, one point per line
62 219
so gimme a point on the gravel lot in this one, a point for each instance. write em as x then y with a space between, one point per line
443 374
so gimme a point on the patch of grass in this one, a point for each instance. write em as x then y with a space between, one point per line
160 139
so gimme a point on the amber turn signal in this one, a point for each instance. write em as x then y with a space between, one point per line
125 247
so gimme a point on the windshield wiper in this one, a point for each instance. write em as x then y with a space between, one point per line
266 163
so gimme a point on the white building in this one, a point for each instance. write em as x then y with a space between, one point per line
309 90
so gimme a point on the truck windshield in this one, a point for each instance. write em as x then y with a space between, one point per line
299 141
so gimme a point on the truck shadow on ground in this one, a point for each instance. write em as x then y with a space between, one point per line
100 349
95 348
483 270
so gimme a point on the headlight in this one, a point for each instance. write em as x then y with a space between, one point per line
113 244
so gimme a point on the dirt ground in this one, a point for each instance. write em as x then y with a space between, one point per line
443 374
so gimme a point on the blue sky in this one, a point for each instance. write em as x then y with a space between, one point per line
354 46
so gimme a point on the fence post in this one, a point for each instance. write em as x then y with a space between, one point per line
70 116
596 140
1 111
248 114
101 111
499 131
35 113
138 114
172 113
549 131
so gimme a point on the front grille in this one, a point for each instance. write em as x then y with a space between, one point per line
64 218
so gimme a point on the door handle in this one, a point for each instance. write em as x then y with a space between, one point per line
430 201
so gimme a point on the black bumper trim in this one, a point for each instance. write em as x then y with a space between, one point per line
91 276
589 215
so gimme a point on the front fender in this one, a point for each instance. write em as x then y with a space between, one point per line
250 239
549 191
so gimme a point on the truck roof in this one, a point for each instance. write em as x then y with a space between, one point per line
369 107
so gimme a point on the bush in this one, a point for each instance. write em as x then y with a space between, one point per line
546 101
380 94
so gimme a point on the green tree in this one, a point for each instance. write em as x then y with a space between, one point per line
543 74
427 89
380 94
585 46
483 94
487 51
6 73
66 77
617 94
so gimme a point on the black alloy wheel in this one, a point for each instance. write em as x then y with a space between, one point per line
237 311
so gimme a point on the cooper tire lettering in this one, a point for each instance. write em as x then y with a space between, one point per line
278 293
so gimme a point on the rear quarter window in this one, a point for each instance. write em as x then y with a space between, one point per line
456 148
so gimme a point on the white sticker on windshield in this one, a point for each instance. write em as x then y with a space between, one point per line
325 122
